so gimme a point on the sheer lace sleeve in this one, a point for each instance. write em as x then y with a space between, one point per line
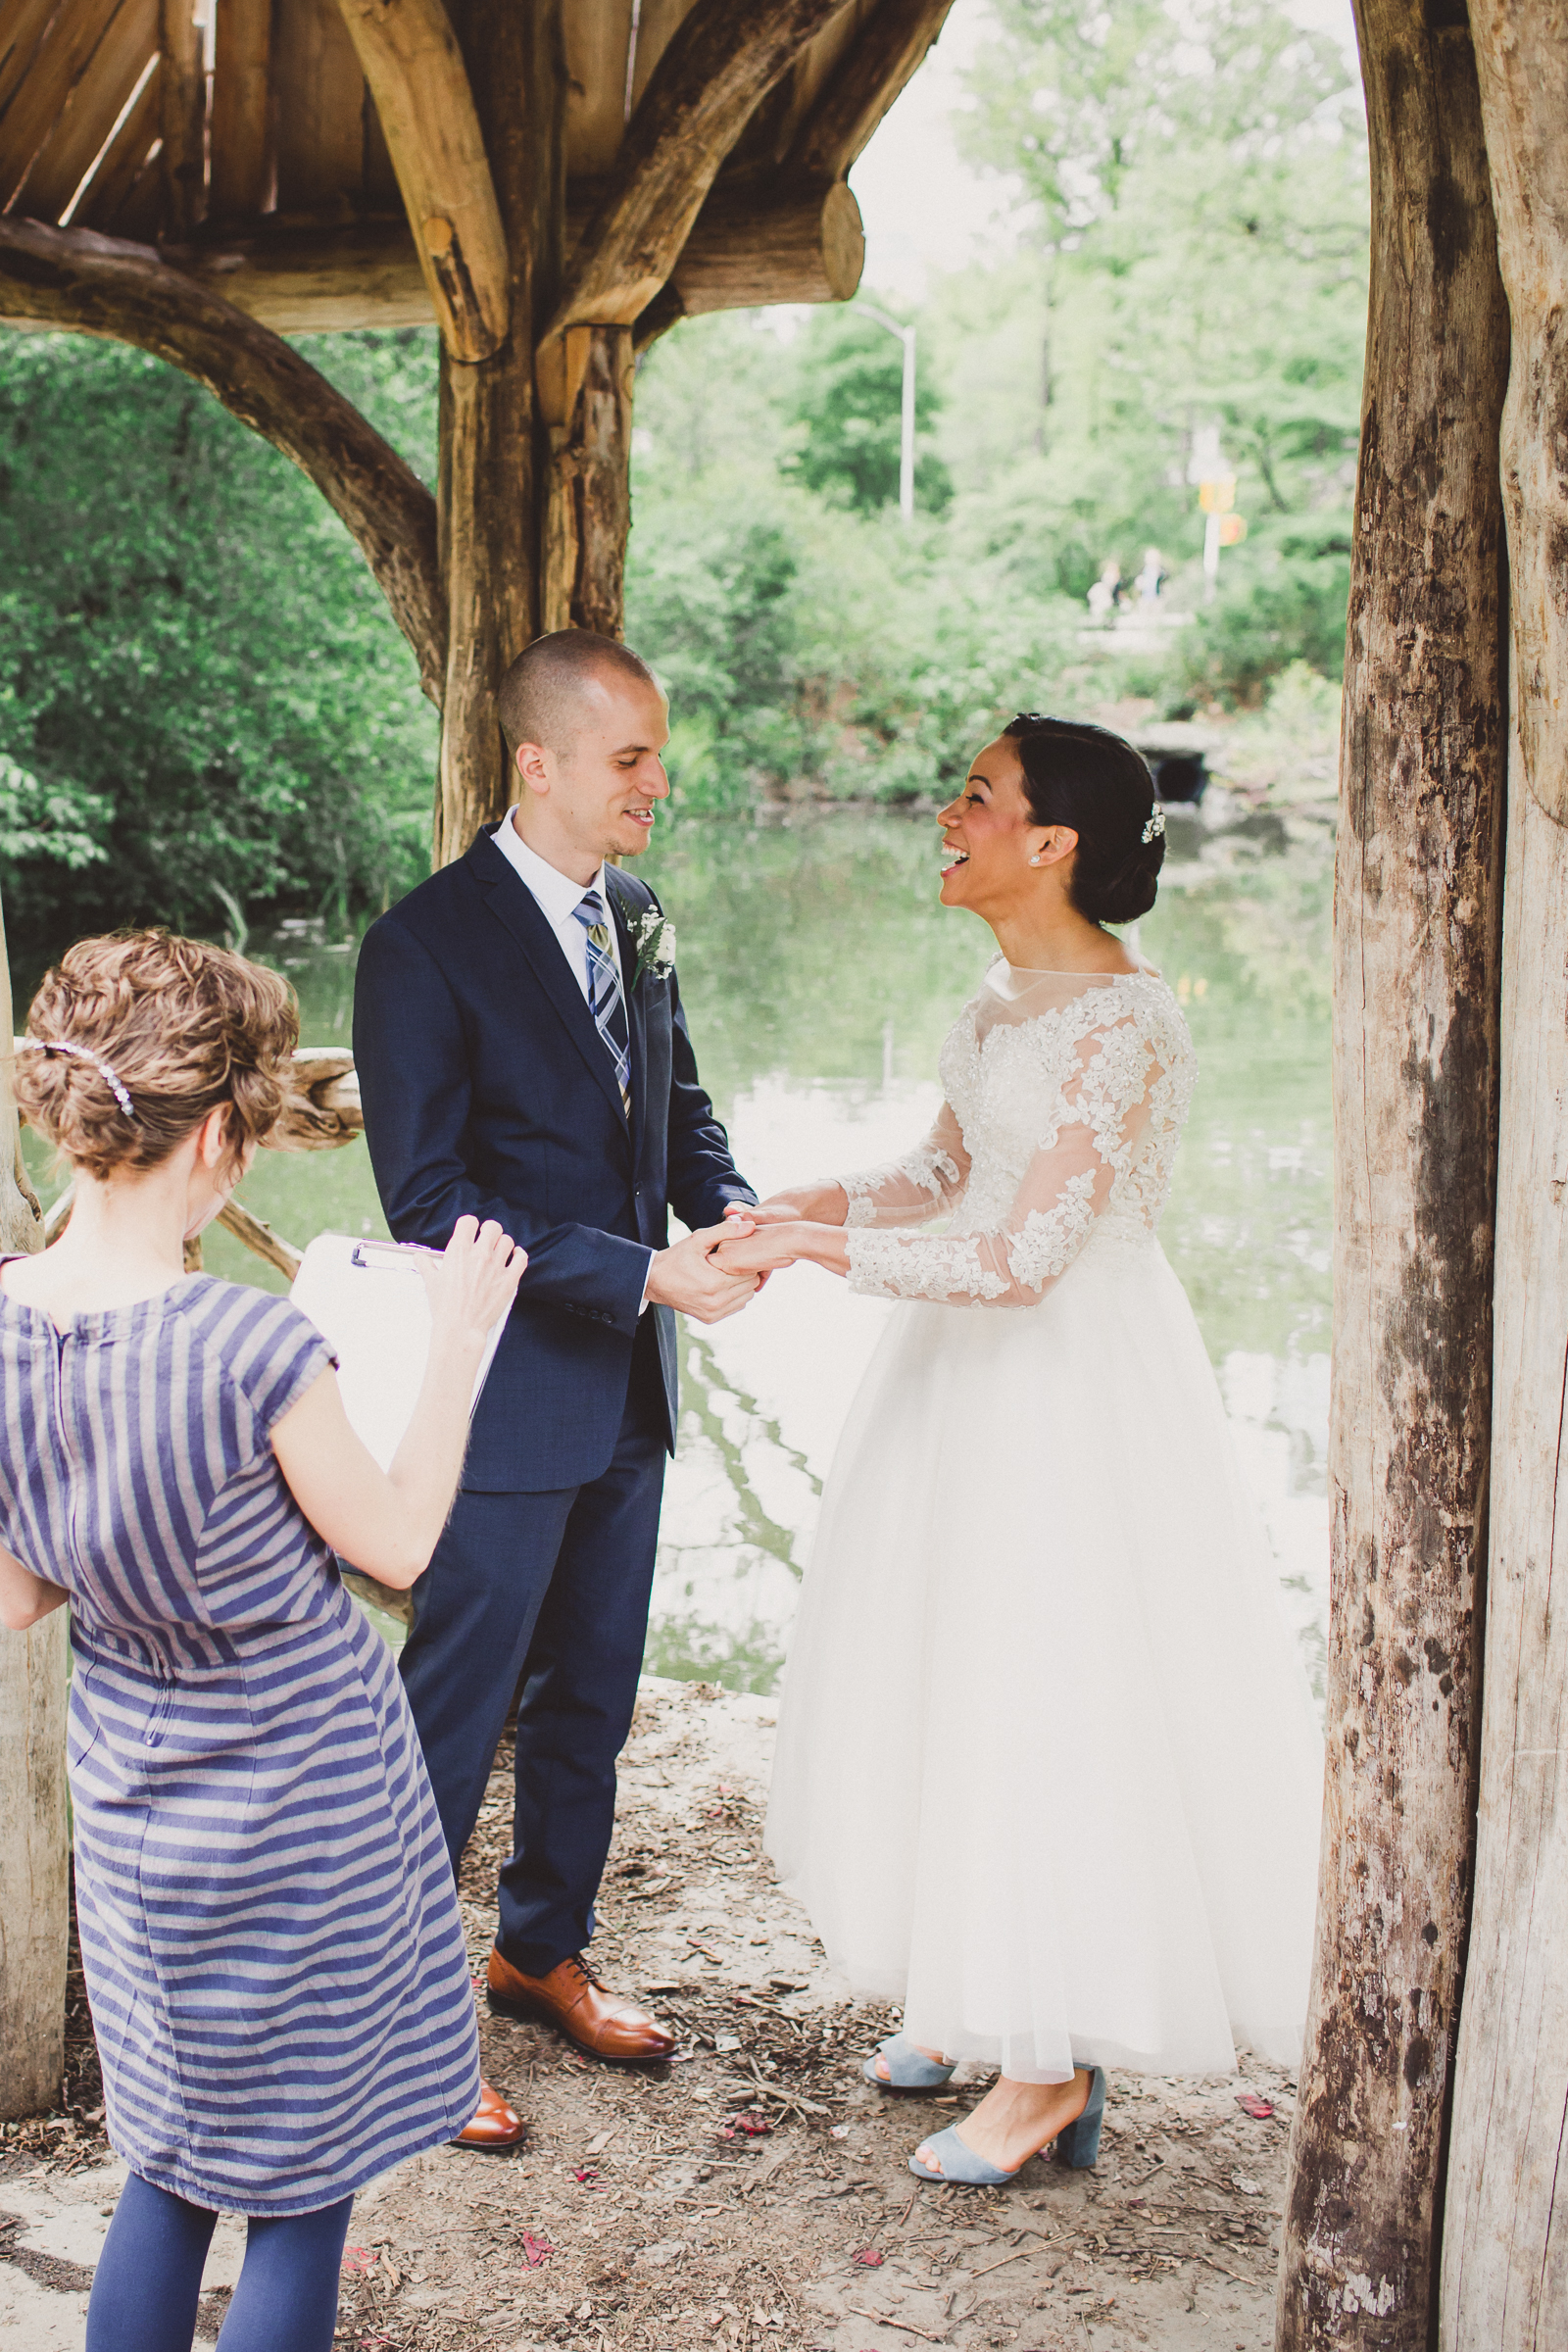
1072 1178
928 1182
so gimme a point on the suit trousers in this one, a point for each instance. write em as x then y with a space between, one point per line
548 1592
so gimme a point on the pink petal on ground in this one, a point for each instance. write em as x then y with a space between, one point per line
1251 2104
868 2258
536 2251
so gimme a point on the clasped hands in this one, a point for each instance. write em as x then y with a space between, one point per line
715 1272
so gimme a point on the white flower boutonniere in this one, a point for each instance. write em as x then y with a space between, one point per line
654 937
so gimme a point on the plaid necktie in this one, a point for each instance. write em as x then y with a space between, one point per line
604 991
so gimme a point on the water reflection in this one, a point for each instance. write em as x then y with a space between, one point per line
820 975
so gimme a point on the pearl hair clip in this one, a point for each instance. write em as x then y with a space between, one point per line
58 1045
1157 823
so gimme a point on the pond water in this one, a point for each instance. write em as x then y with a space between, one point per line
819 975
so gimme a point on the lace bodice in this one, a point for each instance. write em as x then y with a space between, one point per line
1067 1093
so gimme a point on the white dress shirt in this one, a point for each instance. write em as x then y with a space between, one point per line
558 898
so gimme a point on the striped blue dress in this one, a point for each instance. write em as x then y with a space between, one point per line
269 1926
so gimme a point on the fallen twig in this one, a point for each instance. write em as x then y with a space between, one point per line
1225 2274
907 2327
1002 2265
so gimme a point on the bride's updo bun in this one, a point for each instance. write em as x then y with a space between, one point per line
1086 777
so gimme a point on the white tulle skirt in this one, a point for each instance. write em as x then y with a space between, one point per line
1049 1772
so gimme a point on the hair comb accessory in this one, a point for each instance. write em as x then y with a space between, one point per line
1156 823
58 1045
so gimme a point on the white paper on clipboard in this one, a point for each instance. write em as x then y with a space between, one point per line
368 1300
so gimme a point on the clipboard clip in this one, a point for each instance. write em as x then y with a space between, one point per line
384 1257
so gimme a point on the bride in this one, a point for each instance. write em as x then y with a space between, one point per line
1048 1770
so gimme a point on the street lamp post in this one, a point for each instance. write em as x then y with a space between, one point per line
906 335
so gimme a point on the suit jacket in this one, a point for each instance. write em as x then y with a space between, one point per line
488 1092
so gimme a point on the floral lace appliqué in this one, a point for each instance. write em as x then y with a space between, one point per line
1049 1238
941 1266
932 1176
1059 1132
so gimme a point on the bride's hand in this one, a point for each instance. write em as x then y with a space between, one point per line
764 1252
808 1204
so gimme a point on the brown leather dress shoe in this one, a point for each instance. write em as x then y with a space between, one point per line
572 1999
495 2125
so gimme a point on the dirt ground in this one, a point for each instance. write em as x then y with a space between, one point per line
755 2192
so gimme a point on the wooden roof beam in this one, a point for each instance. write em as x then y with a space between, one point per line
718 65
122 160
882 61
415 67
749 247
182 117
241 170
65 105
74 280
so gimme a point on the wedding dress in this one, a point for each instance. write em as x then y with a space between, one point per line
1048 1767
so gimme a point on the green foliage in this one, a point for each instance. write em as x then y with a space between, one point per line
1198 261
206 712
846 409
204 704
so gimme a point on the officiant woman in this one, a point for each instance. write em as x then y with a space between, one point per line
269 1926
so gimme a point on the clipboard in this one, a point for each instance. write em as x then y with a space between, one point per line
368 1300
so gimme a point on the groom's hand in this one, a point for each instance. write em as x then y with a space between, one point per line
686 1277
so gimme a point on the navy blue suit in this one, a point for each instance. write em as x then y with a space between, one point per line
489 1092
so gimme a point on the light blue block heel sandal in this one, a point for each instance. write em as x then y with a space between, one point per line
909 2069
1077 2146
962 2168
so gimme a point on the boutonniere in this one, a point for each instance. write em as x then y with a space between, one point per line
654 937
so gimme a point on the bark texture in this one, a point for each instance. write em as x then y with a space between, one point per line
590 494
1505 2247
717 70
1417 921
417 77
494 453
69 277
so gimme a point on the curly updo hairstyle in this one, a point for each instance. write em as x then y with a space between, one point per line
170 1027
1083 776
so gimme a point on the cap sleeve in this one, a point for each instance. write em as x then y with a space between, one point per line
277 1354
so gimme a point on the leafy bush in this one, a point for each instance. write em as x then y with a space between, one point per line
200 684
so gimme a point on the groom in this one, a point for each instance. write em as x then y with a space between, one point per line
522 1055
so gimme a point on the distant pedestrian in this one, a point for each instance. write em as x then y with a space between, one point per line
269 1930
1106 594
1152 579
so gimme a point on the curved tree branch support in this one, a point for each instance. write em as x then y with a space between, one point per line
69 277
1417 908
1505 2247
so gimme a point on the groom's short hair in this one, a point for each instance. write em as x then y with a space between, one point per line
540 700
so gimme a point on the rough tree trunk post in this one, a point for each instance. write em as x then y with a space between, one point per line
1417 922
492 467
34 1888
1505 2249
590 485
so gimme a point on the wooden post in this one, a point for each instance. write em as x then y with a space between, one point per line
492 461
1415 1078
34 1914
182 107
1505 2246
590 485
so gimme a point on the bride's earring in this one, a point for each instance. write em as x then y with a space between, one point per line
1034 859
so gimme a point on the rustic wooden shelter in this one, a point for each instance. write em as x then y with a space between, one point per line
555 183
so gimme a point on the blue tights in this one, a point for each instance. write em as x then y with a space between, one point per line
149 2277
